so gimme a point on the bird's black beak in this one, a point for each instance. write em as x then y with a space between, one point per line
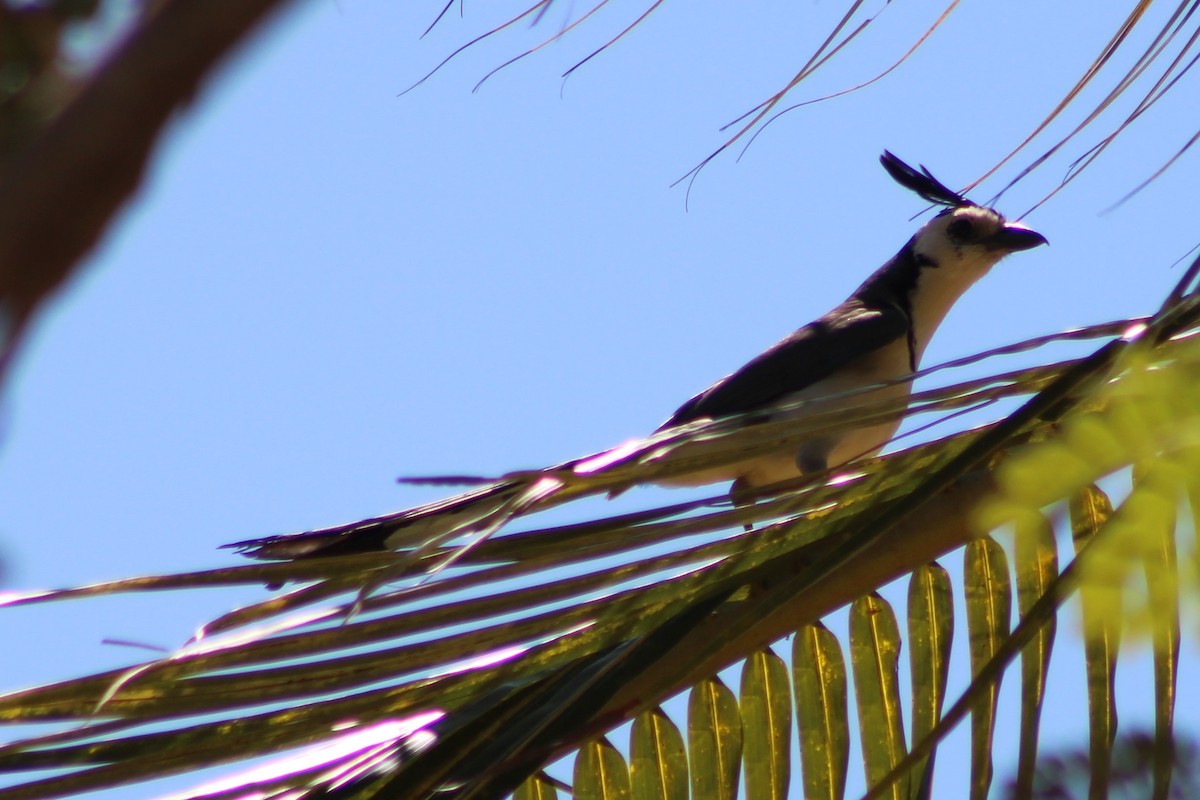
1013 237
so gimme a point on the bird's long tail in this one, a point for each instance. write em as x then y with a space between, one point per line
475 514
410 529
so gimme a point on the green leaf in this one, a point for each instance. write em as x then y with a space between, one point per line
658 768
874 657
1100 604
819 675
989 608
766 703
930 634
1036 567
600 772
714 741
1162 584
535 788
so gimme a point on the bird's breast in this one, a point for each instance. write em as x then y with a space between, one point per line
845 391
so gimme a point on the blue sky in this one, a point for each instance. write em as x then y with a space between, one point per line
324 285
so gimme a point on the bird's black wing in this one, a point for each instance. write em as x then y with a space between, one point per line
808 355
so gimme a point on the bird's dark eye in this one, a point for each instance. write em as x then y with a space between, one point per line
960 230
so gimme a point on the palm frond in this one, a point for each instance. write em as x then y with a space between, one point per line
1173 46
534 642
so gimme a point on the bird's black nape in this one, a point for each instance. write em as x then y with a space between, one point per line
923 183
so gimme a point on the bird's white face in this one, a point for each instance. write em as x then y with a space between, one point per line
968 239
954 250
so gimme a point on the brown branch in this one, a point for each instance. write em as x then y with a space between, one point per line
60 192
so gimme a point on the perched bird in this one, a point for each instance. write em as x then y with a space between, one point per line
876 337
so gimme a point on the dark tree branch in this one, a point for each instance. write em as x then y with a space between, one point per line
60 192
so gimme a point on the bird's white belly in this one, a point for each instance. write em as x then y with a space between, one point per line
834 448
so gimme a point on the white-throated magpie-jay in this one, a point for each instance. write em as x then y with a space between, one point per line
875 337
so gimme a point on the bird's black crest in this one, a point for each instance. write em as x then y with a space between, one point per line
923 183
